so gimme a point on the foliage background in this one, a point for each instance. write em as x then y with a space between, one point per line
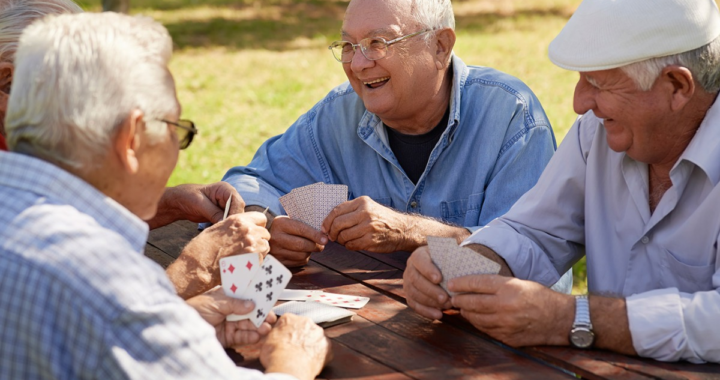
245 69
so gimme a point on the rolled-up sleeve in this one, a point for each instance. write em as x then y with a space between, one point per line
669 325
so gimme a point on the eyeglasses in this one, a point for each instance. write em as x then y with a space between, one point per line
372 48
185 133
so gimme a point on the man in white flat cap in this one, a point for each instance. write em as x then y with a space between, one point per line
634 187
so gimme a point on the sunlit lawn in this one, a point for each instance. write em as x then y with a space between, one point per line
245 70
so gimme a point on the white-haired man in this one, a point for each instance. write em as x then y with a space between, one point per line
634 187
93 123
426 144
196 269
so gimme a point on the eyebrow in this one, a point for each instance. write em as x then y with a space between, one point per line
373 32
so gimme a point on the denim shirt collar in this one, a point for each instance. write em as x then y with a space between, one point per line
371 123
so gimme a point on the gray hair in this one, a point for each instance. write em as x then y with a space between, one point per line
78 77
433 14
16 15
703 63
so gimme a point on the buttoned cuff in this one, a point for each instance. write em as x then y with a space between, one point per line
257 192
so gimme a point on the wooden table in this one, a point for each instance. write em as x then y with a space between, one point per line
388 340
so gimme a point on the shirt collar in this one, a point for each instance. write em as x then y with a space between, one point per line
704 148
58 186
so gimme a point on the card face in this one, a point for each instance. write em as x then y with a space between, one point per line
339 300
317 312
266 287
236 272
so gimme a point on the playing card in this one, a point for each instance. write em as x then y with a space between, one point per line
341 300
297 294
464 262
236 272
321 314
311 204
266 287
440 248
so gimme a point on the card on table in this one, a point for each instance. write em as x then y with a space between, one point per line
236 272
321 314
340 300
297 294
264 289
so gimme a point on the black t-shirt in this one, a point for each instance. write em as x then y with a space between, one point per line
413 151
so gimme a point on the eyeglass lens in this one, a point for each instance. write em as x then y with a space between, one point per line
186 132
372 48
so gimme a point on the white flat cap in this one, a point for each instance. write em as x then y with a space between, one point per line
605 34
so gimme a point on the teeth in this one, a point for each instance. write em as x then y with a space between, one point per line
377 80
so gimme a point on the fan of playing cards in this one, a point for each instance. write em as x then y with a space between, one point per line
243 277
311 204
454 261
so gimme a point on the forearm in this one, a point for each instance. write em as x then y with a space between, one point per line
166 211
492 255
291 366
610 324
417 228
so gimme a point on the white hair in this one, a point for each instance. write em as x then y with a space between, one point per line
78 77
16 15
703 63
433 14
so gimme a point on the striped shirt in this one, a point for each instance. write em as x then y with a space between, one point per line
79 300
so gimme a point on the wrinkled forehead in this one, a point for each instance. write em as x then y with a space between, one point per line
365 18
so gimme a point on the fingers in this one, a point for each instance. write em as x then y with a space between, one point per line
285 225
481 283
339 210
292 241
256 218
420 281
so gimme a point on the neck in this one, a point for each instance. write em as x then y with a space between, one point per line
429 114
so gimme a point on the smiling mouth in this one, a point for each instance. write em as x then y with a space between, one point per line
376 83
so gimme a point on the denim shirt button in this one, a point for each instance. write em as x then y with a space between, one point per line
645 239
413 204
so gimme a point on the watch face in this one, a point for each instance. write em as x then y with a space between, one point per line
582 338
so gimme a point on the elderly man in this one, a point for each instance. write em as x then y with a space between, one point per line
634 186
196 269
94 142
426 144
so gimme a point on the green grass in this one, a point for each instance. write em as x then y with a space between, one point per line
245 70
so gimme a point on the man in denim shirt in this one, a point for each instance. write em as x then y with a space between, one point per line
426 144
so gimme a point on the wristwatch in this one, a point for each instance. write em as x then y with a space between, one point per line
581 335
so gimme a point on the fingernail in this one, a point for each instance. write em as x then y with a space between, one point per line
323 240
248 304
441 298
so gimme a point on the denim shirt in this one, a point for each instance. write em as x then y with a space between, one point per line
497 143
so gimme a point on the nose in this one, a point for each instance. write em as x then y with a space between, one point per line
584 97
359 62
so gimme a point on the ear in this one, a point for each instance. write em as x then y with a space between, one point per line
127 141
6 74
445 41
682 84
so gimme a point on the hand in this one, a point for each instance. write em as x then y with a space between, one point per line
363 224
196 203
214 306
197 268
420 282
292 241
296 346
514 311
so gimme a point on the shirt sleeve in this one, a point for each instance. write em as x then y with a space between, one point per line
519 165
542 235
280 164
669 325
168 340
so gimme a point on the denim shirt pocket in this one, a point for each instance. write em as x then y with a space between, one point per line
385 201
463 212
687 278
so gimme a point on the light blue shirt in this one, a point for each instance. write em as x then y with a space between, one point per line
497 143
79 300
594 201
